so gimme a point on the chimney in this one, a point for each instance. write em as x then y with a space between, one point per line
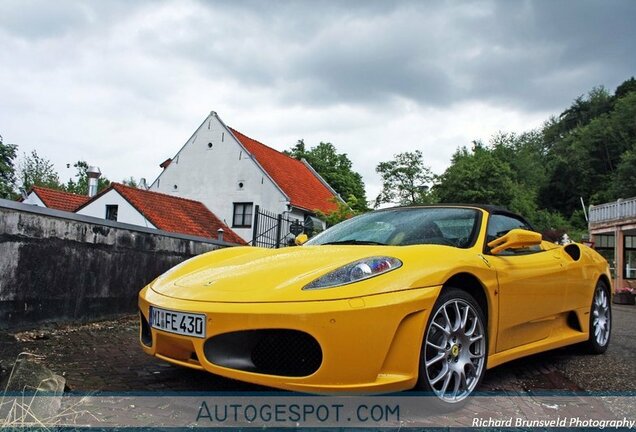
93 174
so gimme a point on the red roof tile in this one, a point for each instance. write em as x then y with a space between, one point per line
303 188
175 214
59 200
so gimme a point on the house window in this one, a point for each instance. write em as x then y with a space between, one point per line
111 212
630 257
242 215
604 245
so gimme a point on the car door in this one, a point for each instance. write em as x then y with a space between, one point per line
531 287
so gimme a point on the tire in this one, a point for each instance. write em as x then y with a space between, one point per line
600 325
454 350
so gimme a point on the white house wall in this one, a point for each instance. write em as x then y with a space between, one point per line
34 199
212 175
126 213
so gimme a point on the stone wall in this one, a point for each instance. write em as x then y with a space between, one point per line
59 266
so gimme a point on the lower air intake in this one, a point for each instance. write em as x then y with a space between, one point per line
272 352
145 335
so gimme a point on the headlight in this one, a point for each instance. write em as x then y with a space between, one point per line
356 271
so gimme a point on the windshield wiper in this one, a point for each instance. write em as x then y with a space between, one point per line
355 242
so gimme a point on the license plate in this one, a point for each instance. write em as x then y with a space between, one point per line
182 323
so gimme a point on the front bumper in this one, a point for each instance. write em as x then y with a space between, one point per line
368 344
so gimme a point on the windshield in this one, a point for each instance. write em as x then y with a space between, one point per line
406 226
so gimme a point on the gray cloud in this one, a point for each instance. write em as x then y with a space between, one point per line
98 78
526 54
36 20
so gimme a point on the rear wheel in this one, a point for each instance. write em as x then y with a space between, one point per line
600 320
453 355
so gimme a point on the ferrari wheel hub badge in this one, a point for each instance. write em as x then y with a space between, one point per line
455 350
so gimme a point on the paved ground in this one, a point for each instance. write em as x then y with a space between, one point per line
106 356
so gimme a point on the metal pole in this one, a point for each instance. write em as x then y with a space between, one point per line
279 221
584 210
255 225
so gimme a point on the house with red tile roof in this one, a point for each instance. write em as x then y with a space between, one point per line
54 199
232 173
150 209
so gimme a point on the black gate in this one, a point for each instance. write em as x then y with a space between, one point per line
272 230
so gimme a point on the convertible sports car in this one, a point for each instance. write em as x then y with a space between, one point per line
413 297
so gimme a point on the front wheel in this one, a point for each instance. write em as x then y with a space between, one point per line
600 320
453 355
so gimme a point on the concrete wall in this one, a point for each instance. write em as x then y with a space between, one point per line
60 266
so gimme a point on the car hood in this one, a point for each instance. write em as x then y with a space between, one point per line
249 274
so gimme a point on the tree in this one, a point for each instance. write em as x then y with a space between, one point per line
625 88
405 180
35 170
335 168
591 160
588 151
343 212
130 181
585 109
477 176
80 185
7 169
525 154
624 183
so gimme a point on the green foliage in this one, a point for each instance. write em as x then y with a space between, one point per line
547 220
405 180
475 177
581 112
594 159
525 154
80 185
625 88
343 212
589 151
7 169
624 184
335 168
35 170
508 172
130 181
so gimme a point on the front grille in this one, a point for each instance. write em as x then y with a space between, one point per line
271 352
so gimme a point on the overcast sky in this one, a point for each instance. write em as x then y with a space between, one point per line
123 84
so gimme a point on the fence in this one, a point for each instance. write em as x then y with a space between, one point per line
272 230
621 209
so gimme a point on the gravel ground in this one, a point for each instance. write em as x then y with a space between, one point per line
106 356
615 371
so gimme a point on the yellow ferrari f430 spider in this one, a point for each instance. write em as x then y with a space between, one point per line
412 297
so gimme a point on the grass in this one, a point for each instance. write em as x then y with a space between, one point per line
24 408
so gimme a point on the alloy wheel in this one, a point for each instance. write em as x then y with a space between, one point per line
455 351
601 317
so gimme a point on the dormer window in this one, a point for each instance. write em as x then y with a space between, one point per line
111 212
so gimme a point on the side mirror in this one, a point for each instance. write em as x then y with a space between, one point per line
301 239
515 239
